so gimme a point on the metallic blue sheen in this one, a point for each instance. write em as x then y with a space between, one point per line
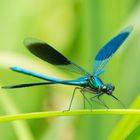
105 53
111 47
98 81
89 82
44 77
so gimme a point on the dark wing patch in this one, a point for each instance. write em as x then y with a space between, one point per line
47 53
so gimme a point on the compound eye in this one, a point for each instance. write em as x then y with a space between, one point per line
113 87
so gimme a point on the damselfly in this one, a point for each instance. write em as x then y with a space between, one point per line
89 82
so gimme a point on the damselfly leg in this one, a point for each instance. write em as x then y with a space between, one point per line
85 99
98 97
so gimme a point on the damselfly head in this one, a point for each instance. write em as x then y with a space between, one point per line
108 89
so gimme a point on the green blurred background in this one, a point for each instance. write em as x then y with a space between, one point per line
78 29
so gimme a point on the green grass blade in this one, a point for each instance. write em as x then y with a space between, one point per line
69 113
135 135
21 128
127 124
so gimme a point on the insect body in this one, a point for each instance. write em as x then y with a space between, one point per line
89 82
